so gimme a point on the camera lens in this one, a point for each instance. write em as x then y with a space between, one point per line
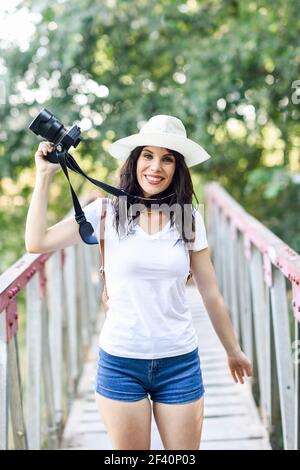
47 126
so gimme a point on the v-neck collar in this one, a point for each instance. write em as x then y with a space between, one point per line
156 234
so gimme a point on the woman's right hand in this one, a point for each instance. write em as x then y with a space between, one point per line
41 163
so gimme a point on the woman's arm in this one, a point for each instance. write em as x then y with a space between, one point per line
206 281
39 238
36 223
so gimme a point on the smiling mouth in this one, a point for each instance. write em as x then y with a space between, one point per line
153 179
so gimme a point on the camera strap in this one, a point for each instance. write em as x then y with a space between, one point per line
86 230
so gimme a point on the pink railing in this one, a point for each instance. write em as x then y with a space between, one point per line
259 277
57 298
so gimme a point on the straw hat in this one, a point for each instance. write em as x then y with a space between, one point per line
161 131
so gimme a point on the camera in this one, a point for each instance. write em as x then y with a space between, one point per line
47 126
51 129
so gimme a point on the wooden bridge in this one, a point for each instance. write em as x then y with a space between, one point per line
50 312
231 419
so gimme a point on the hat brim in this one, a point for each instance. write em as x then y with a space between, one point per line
193 153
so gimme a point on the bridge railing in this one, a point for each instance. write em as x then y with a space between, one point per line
259 276
55 297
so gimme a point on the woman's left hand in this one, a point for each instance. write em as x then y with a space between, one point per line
239 366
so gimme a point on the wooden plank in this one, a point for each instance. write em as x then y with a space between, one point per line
245 302
83 315
232 267
235 444
231 419
92 309
230 427
296 398
70 289
15 397
214 243
223 252
282 337
33 374
3 383
55 307
261 329
49 384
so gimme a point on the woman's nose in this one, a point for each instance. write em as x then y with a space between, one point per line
155 164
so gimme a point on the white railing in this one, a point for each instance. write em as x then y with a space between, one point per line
56 299
259 277
59 295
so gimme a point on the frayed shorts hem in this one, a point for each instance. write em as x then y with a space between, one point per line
117 397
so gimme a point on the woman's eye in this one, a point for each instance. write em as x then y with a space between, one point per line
168 159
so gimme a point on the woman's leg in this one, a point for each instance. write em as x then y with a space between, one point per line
180 425
128 423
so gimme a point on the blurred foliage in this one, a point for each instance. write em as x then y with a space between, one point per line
225 68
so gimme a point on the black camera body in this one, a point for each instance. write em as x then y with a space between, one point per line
47 126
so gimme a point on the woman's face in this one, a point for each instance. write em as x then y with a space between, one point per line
159 163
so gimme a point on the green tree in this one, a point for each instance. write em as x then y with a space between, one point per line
226 68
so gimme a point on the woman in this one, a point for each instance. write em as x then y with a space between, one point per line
148 345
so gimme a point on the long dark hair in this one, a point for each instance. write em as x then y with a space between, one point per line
181 185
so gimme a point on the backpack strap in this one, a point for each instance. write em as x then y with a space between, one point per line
102 234
190 253
190 272
101 244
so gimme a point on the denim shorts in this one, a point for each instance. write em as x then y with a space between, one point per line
176 379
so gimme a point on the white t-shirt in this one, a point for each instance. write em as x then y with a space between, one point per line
148 315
